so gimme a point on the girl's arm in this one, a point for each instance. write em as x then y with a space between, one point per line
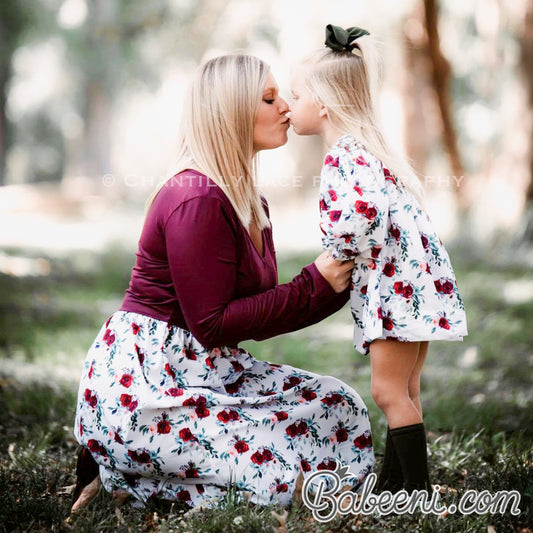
353 206
202 253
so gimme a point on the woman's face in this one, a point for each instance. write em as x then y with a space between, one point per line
271 124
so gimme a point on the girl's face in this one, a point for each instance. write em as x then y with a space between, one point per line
271 123
305 113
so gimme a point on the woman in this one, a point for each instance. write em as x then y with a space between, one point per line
168 405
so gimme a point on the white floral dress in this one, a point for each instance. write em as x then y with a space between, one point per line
166 418
403 285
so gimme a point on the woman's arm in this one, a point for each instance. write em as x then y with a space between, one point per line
202 253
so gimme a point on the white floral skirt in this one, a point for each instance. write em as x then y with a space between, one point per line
165 417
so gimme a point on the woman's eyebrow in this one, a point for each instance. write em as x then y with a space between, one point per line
270 90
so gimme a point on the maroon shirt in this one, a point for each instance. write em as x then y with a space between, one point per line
197 268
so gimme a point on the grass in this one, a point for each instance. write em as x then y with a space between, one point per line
476 395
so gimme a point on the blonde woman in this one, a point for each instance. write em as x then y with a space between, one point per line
169 405
403 290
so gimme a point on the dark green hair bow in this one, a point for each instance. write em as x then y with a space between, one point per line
339 39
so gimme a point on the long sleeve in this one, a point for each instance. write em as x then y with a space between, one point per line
353 207
202 249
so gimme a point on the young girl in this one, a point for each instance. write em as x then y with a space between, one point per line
403 291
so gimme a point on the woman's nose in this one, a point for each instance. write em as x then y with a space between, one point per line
284 107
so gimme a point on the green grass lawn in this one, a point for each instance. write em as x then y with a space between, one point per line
477 400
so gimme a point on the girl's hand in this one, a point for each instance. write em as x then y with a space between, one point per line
337 273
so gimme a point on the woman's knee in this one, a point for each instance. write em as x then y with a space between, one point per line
384 395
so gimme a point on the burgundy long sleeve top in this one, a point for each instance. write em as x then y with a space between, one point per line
197 268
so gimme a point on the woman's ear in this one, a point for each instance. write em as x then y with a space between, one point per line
322 112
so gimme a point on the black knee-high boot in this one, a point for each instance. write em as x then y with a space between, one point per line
410 445
390 478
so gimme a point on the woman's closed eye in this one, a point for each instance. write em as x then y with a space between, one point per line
269 100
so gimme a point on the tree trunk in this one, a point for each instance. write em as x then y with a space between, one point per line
440 76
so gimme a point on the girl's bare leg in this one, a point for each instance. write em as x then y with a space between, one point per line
393 362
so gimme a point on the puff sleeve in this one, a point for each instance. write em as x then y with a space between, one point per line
353 205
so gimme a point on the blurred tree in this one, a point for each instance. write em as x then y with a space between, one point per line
527 72
15 18
428 76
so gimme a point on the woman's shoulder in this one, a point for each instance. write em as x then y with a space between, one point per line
191 187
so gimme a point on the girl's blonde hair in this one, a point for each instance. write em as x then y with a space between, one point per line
216 130
346 84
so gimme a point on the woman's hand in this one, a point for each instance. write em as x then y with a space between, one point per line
337 273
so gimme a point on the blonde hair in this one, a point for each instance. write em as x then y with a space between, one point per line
216 130
346 84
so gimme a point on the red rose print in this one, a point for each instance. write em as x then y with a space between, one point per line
322 205
332 195
281 415
233 388
174 391
371 213
90 373
267 455
407 291
163 427
139 456
200 488
327 464
364 289
398 287
379 312
446 286
302 428
126 380
306 467
95 446
80 427
332 398
395 232
335 215
358 190
341 434
189 354
108 320
191 472
202 411
389 269
308 394
361 161
183 495
375 251
331 161
109 338
241 446
118 438
170 371
361 206
363 441
135 328
257 458
282 487
90 398
387 323
291 382
437 285
186 435
223 416
428 270
127 401
443 323
425 242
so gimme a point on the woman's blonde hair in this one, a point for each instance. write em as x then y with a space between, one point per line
346 84
216 130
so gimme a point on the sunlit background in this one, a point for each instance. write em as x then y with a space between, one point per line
93 91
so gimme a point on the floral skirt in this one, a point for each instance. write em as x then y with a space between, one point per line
165 417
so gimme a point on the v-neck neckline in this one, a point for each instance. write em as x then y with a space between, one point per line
263 256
